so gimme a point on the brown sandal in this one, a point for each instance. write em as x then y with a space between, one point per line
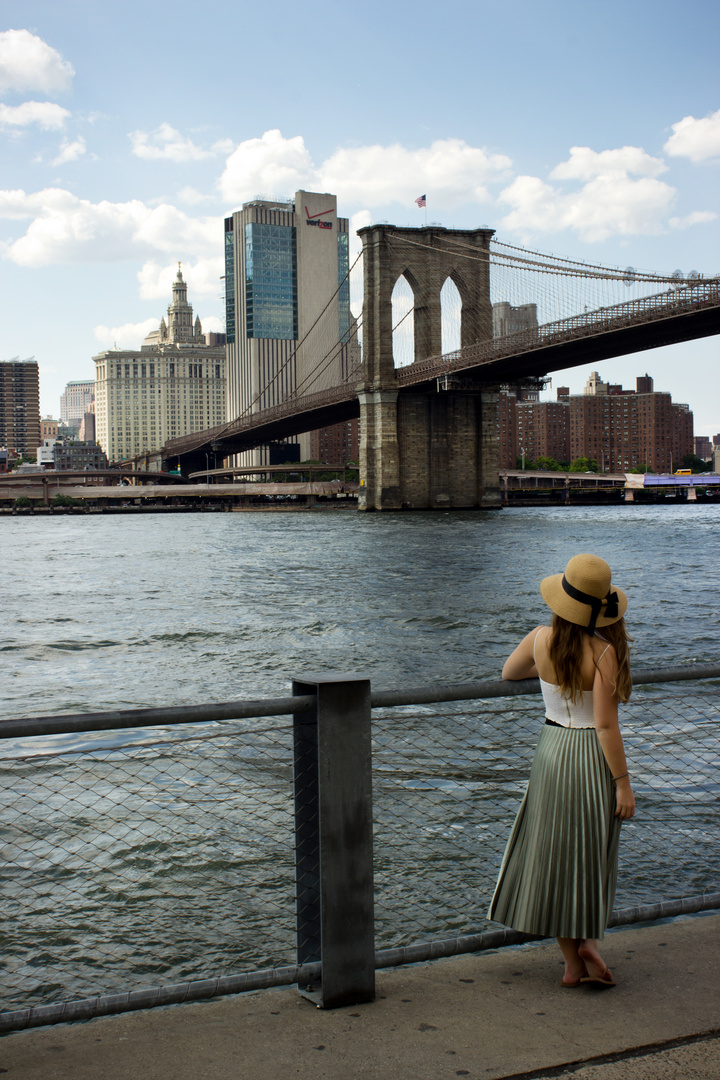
604 979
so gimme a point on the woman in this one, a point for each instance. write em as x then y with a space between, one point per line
559 870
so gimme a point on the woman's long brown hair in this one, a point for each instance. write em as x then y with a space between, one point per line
565 648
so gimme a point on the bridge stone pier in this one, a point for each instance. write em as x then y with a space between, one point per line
425 448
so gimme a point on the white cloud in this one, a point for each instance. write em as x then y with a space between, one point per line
695 139
604 207
449 171
70 151
127 336
357 221
360 220
585 164
271 164
618 206
65 228
698 217
536 206
167 144
45 114
619 195
212 324
202 277
132 335
29 63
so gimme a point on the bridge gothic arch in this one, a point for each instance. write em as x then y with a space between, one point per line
425 258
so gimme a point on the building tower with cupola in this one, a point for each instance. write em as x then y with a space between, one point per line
179 328
172 386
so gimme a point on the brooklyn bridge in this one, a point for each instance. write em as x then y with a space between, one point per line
429 424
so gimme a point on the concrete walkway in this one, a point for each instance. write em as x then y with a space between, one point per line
482 1016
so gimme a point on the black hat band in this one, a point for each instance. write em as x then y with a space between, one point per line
610 600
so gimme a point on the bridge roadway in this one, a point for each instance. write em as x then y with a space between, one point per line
684 313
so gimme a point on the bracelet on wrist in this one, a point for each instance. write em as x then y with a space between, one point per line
621 776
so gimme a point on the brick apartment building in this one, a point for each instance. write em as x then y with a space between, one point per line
20 406
620 429
337 444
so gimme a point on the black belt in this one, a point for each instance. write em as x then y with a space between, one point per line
553 723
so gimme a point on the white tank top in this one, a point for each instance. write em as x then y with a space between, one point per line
562 711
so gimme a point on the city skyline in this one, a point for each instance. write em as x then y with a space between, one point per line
606 153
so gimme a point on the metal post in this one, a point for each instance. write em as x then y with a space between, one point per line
333 840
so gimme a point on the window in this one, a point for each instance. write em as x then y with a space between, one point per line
344 283
271 281
229 281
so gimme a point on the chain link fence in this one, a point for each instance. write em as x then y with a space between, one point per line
140 865
138 859
448 781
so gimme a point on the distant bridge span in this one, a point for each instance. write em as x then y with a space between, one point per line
684 313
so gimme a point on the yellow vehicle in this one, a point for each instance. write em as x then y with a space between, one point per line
683 472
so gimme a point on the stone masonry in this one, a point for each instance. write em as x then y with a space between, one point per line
425 449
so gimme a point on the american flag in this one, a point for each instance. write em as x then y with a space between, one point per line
421 200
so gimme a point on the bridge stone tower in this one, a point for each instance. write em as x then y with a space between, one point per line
425 448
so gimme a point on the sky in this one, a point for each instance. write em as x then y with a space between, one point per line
128 131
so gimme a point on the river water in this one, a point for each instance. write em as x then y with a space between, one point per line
126 865
112 612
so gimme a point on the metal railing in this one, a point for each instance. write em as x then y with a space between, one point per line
162 855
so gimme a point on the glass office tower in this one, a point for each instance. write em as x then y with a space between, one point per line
287 304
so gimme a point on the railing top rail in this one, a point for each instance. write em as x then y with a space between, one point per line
119 720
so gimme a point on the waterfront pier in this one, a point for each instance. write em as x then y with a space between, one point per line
492 1016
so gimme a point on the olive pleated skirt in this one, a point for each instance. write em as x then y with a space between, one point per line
559 870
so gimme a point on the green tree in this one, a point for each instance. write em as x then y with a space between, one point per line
692 461
584 464
639 469
548 464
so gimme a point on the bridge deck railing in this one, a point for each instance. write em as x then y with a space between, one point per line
675 301
164 855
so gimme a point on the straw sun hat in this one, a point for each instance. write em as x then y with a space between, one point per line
583 594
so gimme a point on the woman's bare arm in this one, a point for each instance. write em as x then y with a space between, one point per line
520 664
607 726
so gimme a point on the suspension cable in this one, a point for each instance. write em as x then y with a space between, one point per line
604 273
